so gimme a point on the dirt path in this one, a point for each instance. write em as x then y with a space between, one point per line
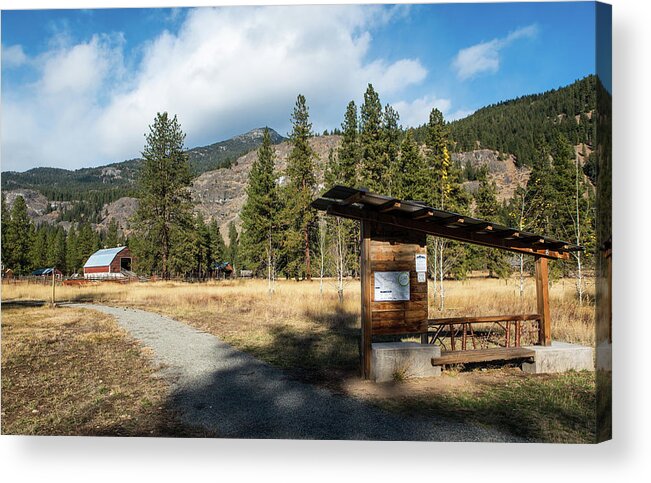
238 396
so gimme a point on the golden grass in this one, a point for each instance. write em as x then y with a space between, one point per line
315 339
69 371
476 296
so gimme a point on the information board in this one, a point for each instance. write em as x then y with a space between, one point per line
391 286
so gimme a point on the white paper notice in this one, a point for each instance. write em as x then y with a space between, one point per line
391 286
421 277
421 263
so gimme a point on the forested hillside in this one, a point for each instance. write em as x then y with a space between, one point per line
519 126
117 179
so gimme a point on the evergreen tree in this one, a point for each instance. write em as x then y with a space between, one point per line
18 238
217 245
438 160
372 153
410 179
259 239
391 134
164 200
56 250
5 221
87 243
73 261
344 169
349 151
203 253
495 261
298 217
38 249
445 193
112 235
233 250
184 250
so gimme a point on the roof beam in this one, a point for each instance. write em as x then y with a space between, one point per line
436 229
476 227
422 213
447 221
354 198
389 206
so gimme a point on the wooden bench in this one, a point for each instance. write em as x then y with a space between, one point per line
482 355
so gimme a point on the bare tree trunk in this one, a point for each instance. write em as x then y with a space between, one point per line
521 276
521 227
269 265
435 267
441 273
579 273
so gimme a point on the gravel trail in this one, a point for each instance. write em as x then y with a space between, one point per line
238 396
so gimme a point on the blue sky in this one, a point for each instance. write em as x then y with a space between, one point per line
79 87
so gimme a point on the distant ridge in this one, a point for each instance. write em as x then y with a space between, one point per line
61 184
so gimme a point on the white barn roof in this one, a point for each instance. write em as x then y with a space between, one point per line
102 258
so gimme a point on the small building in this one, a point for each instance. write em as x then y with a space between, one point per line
47 273
222 269
109 263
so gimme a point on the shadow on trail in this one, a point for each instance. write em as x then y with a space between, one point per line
222 390
248 399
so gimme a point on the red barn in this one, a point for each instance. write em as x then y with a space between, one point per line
109 263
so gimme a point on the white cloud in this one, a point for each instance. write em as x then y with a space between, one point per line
13 56
227 70
485 56
415 113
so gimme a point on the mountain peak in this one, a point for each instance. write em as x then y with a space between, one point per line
257 134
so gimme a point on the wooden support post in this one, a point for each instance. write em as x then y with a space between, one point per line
542 292
367 286
53 286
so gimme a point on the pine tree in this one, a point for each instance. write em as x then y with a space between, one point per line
391 134
298 217
56 250
233 250
259 239
18 238
203 252
5 221
184 251
73 261
87 242
164 200
372 153
446 193
410 179
38 249
112 236
495 261
349 151
217 245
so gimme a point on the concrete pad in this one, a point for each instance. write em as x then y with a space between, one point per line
396 360
560 357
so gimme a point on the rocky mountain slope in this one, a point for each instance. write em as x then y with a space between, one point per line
504 172
220 194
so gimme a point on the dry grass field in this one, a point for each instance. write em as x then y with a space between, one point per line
69 371
315 339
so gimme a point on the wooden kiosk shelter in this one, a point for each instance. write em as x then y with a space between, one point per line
393 270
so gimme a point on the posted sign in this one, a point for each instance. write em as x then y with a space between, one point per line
421 262
391 286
